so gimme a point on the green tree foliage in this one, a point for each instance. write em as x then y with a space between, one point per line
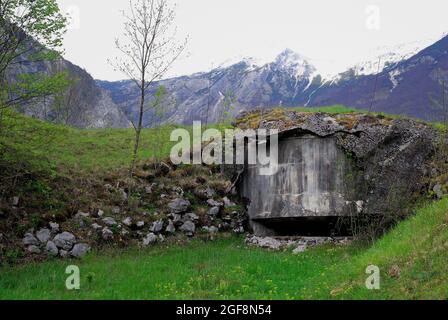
30 32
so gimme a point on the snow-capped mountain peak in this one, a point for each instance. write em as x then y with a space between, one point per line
294 63
387 56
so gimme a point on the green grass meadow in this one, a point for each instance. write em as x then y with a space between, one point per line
227 269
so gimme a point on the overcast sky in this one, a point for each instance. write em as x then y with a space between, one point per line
334 33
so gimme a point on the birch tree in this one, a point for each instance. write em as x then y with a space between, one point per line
149 48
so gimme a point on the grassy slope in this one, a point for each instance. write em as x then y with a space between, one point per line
223 269
83 150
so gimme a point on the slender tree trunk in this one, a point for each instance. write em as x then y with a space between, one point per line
138 130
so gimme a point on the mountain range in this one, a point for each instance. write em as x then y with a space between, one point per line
408 80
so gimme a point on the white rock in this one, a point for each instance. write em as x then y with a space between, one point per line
156 227
140 224
150 239
29 239
54 227
110 221
64 240
191 217
80 250
43 235
213 212
188 227
51 248
127 221
80 215
213 203
179 205
96 226
228 203
107 234
170 228
239 230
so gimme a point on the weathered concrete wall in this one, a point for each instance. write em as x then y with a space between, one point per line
311 182
392 161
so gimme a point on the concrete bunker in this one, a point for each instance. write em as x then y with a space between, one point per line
368 170
312 193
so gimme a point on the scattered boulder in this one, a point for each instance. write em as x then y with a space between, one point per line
65 240
213 212
127 222
239 230
299 245
140 224
96 226
43 235
157 226
100 213
228 203
54 227
107 234
179 205
210 192
190 216
29 239
177 218
265 242
115 210
51 249
213 203
270 243
79 250
178 191
150 239
188 227
109 221
170 228
80 215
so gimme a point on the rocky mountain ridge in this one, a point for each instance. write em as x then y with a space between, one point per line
408 83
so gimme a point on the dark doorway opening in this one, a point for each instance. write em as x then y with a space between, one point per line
309 226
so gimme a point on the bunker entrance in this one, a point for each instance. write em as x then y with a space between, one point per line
304 227
311 194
